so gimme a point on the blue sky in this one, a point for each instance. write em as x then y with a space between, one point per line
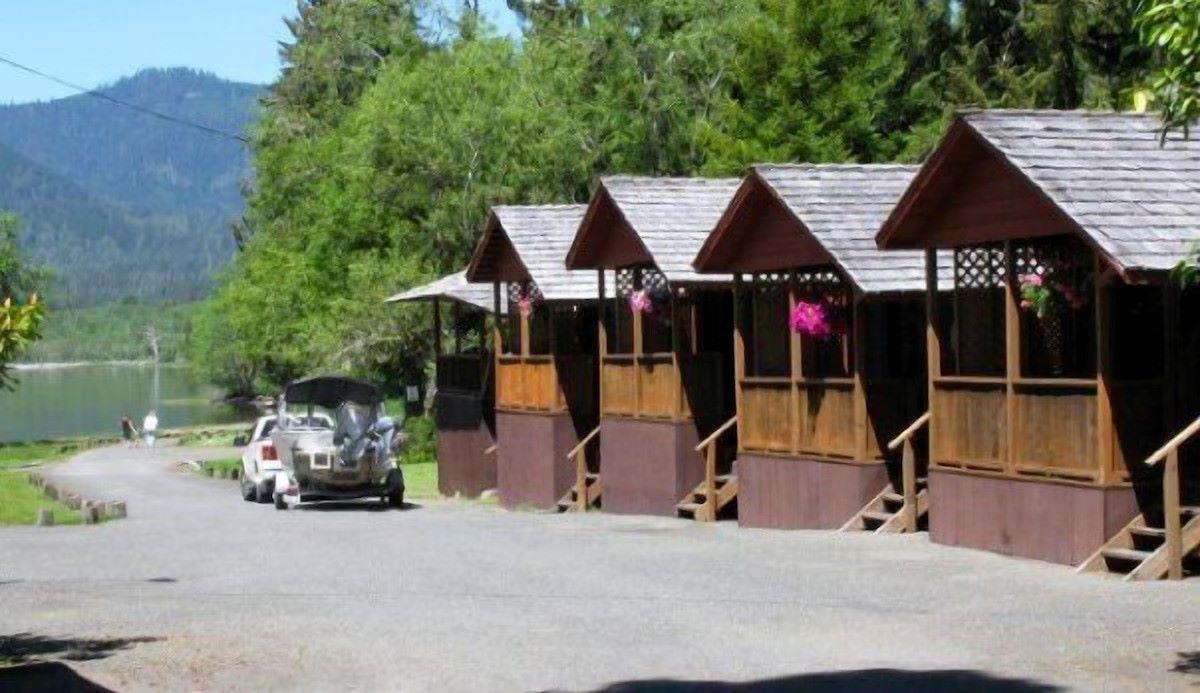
93 42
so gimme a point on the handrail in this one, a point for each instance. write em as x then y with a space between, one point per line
1172 524
908 472
579 455
491 450
1180 438
583 443
908 432
712 437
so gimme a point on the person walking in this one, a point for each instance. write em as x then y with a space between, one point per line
150 428
128 432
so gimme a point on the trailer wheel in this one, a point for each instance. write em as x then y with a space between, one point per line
280 503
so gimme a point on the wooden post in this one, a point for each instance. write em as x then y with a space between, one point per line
437 328
739 351
908 473
497 340
637 349
1171 521
677 394
454 324
602 335
581 495
710 481
933 344
857 323
1012 359
1105 449
796 370
555 387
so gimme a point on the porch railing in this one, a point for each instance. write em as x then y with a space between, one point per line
708 447
1172 522
908 471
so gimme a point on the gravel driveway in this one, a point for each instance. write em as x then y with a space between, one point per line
200 590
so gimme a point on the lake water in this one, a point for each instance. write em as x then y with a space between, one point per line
89 400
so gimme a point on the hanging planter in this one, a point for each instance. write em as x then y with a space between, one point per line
525 305
819 319
641 302
1044 299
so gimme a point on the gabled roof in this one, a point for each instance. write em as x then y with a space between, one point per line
840 207
452 287
537 237
1135 200
671 218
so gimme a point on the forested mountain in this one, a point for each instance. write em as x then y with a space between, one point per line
381 147
121 204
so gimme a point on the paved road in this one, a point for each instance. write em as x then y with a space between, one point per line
199 590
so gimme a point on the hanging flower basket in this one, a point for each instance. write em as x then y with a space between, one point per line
641 302
819 319
525 305
1044 299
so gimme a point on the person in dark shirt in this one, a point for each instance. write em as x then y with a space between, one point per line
127 430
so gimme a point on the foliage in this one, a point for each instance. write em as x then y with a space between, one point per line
114 332
20 311
120 203
375 168
421 445
1172 27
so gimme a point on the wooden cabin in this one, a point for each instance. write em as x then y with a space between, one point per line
666 365
1063 356
462 405
545 349
819 400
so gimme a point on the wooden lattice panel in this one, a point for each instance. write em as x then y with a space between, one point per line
626 281
523 288
1059 259
979 267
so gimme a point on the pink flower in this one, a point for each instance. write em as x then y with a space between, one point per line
809 317
639 302
1026 304
525 306
1032 279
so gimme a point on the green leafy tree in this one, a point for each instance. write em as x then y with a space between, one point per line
1172 27
20 311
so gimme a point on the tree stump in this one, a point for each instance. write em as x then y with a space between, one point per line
45 517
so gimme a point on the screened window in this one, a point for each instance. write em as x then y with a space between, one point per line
769 347
976 312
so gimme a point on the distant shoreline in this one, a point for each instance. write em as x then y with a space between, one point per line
56 365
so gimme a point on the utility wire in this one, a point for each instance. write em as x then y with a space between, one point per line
124 104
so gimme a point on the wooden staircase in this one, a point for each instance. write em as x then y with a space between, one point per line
696 504
894 510
585 493
1143 552
705 502
1140 551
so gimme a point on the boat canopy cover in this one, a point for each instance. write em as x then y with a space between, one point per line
331 390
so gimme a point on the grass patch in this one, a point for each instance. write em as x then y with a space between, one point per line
20 501
31 454
420 480
217 467
207 436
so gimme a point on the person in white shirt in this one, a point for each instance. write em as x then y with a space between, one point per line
150 428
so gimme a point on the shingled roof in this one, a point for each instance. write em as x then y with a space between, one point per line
671 217
452 287
539 235
1139 202
842 206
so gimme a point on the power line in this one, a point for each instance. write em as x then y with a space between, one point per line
124 104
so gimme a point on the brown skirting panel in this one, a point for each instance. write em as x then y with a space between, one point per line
462 467
647 466
1031 518
785 492
531 458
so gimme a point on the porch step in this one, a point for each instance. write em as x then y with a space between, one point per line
882 514
1139 551
570 500
695 504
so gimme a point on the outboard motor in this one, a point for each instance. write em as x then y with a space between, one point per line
351 432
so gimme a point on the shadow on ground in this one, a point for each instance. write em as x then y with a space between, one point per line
23 648
360 506
1189 663
46 676
943 681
